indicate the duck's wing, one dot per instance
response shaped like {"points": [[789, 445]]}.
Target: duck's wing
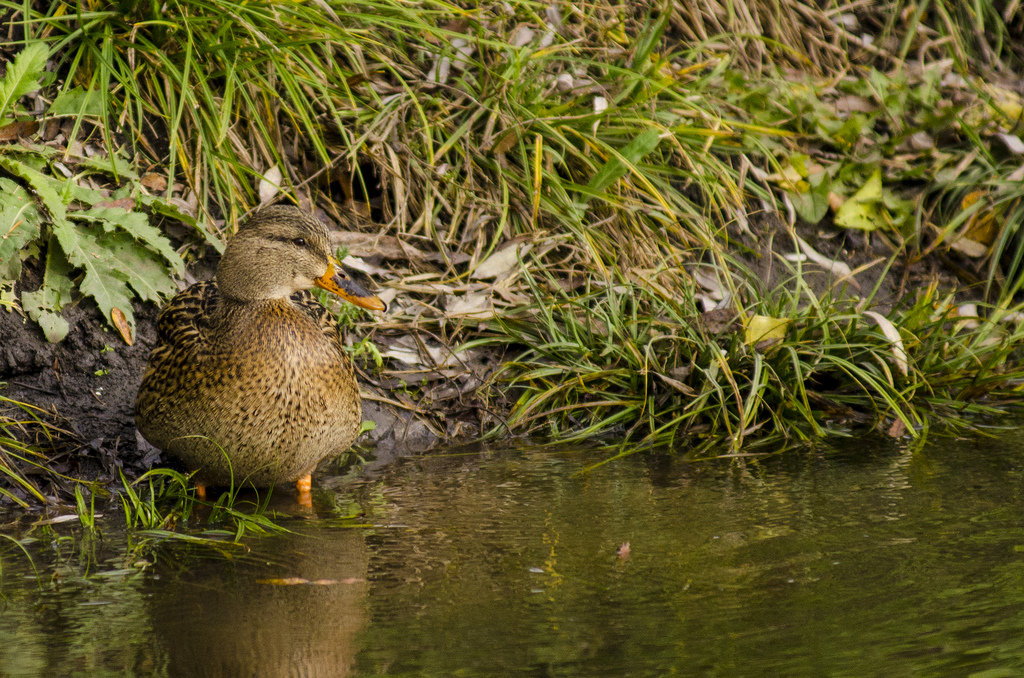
{"points": [[186, 318], [324, 319]]}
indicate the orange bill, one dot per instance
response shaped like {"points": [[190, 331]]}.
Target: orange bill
{"points": [[337, 281]]}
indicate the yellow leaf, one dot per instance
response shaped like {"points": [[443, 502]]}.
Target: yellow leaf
{"points": [[121, 323], [764, 328]]}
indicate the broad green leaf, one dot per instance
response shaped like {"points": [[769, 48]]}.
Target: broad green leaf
{"points": [[812, 204], [145, 271], [54, 326], [114, 165], [7, 298], [863, 210], [103, 281], [76, 102], [618, 165], [137, 224], [166, 208], [19, 224], [46, 187], [44, 305], [22, 76]]}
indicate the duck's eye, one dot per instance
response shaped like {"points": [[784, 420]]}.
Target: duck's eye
{"points": [[299, 242]]}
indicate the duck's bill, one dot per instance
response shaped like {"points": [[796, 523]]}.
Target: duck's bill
{"points": [[337, 281]]}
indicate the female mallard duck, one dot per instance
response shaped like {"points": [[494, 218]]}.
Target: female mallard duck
{"points": [[249, 381]]}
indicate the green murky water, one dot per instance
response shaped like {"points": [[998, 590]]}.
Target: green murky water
{"points": [[842, 562]]}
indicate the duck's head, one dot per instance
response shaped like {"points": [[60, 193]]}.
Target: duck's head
{"points": [[279, 251]]}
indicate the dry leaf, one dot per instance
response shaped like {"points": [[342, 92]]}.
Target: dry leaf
{"points": [[893, 335], [370, 244], [837, 268], [121, 323], [16, 130], [123, 203], [501, 263], [270, 184], [408, 356], [1012, 142], [476, 305], [154, 182]]}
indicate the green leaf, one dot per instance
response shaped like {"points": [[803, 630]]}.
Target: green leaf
{"points": [[22, 76], [44, 305], [145, 271], [113, 165], [137, 224], [46, 187], [104, 280], [619, 163], [77, 102], [20, 224], [166, 208], [812, 204], [863, 210]]}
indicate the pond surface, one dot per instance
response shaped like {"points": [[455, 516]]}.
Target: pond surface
{"points": [[852, 561]]}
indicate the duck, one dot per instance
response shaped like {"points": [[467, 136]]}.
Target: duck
{"points": [[249, 382]]}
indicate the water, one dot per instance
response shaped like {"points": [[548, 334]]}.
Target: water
{"points": [[844, 562]]}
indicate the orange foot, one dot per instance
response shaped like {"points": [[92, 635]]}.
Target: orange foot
{"points": [[304, 485]]}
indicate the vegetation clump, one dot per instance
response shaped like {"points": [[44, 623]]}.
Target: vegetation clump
{"points": [[673, 222]]}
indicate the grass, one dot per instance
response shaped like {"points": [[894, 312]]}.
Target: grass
{"points": [[652, 164], [622, 360], [26, 432]]}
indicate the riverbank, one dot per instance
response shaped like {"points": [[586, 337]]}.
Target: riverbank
{"points": [[672, 224]]}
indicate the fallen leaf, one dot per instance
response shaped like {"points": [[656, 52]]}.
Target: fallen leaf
{"points": [[893, 335], [16, 130], [476, 305], [678, 385], [1012, 143], [863, 210], [760, 328], [123, 203], [370, 244], [154, 182], [835, 267], [897, 429], [121, 323], [270, 184], [500, 263]]}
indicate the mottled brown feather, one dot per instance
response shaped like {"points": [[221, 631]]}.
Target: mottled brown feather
{"points": [[256, 390]]}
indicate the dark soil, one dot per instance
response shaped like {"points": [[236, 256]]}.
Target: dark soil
{"points": [[86, 382]]}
